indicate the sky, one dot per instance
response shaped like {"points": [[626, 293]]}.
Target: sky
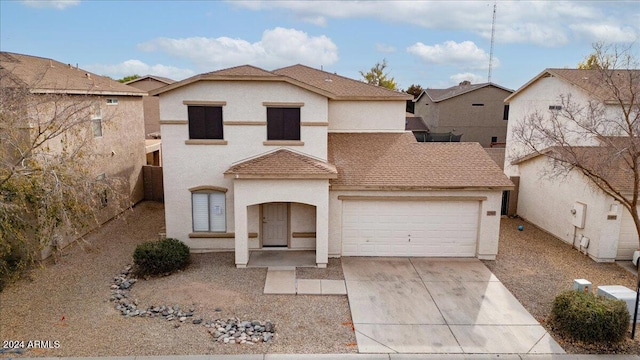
{"points": [[435, 44]]}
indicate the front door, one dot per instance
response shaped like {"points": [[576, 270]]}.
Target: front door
{"points": [[274, 224]]}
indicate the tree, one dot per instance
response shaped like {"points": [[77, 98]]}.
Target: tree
{"points": [[599, 138], [129, 78], [49, 192], [414, 90], [376, 76]]}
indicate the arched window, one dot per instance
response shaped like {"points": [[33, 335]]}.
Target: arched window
{"points": [[209, 210]]}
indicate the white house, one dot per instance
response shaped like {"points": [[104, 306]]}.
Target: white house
{"points": [[299, 158], [570, 207]]}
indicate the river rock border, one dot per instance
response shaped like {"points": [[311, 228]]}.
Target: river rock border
{"points": [[229, 331]]}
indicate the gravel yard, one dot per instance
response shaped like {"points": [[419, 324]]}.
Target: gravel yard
{"points": [[535, 266], [76, 288]]}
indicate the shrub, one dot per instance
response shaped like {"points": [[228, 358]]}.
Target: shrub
{"points": [[12, 262], [590, 318], [159, 257]]}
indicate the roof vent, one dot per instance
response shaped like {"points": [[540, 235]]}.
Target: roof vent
{"points": [[88, 75], [465, 83]]}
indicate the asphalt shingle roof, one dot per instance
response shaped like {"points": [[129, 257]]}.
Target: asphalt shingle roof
{"points": [[42, 75], [396, 161], [285, 164]]}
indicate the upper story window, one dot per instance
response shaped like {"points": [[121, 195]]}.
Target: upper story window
{"points": [[477, 104], [505, 114], [205, 122], [96, 120], [283, 123], [112, 101], [555, 107]]}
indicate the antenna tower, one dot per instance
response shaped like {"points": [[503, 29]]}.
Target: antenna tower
{"points": [[493, 32]]}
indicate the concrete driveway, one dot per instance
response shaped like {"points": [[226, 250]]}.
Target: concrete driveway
{"points": [[435, 305]]}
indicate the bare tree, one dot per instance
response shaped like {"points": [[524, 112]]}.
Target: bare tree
{"points": [[49, 191], [599, 138]]}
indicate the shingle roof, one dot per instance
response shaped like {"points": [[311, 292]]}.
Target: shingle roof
{"points": [[395, 161], [593, 82], [165, 80], [415, 123], [438, 95], [283, 164], [338, 85], [42, 75], [321, 82], [605, 161]]}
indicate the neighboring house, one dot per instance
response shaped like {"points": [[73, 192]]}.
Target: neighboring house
{"points": [[550, 204], [475, 111], [117, 119], [299, 158], [151, 114]]}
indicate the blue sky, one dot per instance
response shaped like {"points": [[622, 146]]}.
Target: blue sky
{"points": [[434, 44]]}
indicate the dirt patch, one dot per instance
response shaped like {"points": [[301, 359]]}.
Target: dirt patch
{"points": [[68, 302], [536, 266]]}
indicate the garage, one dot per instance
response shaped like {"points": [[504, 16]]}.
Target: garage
{"points": [[410, 228], [628, 239]]}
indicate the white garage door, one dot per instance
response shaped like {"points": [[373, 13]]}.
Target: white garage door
{"points": [[409, 228], [628, 240]]}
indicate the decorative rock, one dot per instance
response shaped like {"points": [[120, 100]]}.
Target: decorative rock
{"points": [[182, 319], [197, 321]]}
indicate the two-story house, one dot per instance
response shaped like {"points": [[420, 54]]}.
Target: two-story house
{"points": [[116, 136], [299, 158], [475, 111], [571, 207]]}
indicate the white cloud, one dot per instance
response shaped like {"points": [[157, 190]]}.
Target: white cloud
{"points": [[545, 23], [277, 47], [474, 78], [131, 67], [316, 20], [606, 32], [465, 55], [384, 48], [56, 4]]}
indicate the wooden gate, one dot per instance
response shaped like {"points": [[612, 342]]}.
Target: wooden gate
{"points": [[153, 185]]}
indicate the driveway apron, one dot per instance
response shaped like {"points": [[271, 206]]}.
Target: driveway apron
{"points": [[437, 305]]}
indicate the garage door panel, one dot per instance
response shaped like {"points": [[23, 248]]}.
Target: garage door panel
{"points": [[411, 228]]}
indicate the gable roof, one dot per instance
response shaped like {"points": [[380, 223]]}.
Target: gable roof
{"points": [[396, 161], [415, 123], [591, 82], [161, 79], [438, 95], [283, 164], [43, 75], [317, 81]]}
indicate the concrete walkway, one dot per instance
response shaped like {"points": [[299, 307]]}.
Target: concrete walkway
{"points": [[427, 305], [282, 280]]}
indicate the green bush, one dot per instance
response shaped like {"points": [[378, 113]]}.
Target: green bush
{"points": [[159, 257], [590, 318]]}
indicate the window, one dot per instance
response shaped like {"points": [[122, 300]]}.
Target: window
{"points": [[494, 139], [96, 120], [112, 101], [505, 114], [477, 104], [104, 196], [209, 213], [555, 107], [283, 123], [205, 122]]}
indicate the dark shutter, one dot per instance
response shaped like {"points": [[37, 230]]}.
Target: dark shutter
{"points": [[291, 124], [196, 122], [205, 122], [275, 124]]}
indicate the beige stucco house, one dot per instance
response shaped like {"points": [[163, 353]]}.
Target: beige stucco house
{"points": [[475, 111], [116, 137], [570, 207], [299, 158]]}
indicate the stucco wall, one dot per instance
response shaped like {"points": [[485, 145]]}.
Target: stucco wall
{"points": [[367, 116], [151, 105], [537, 98], [547, 203], [187, 166], [489, 225]]}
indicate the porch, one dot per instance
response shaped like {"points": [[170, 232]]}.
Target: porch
{"points": [[295, 258]]}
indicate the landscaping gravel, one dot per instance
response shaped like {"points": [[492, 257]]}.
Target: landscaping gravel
{"points": [[536, 266], [69, 302]]}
